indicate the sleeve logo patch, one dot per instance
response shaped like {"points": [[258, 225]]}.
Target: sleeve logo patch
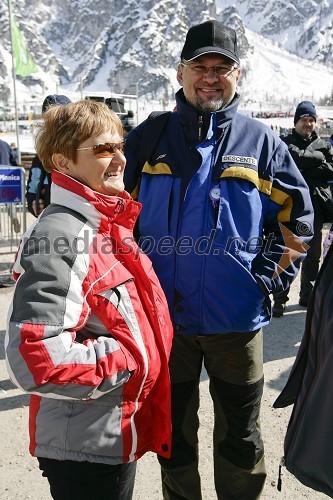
{"points": [[240, 159]]}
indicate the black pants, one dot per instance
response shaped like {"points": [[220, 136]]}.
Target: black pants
{"points": [[71, 480], [234, 364]]}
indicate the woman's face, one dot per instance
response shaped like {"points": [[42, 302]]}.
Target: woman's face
{"points": [[102, 174]]}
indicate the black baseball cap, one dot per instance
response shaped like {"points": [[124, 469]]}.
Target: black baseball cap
{"points": [[50, 100], [210, 37]]}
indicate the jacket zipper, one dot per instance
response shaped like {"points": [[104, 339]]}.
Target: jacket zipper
{"points": [[200, 123]]}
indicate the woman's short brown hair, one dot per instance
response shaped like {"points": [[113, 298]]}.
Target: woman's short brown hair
{"points": [[64, 128]]}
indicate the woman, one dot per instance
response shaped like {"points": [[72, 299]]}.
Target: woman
{"points": [[89, 333]]}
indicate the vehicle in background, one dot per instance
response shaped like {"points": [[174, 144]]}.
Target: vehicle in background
{"points": [[123, 104]]}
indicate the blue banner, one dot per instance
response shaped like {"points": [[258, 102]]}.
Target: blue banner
{"points": [[11, 185]]}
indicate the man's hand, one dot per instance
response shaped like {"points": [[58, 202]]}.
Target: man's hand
{"points": [[295, 152]]}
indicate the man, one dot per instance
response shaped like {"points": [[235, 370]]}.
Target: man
{"points": [[39, 181], [14, 152], [314, 158], [220, 195], [128, 123], [7, 155]]}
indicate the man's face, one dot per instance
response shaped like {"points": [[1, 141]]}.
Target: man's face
{"points": [[208, 91], [305, 126]]}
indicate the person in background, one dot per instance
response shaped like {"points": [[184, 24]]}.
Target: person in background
{"points": [[39, 180], [14, 151], [89, 333], [308, 440], [331, 139], [222, 202], [128, 123], [314, 158], [127, 128], [7, 155]]}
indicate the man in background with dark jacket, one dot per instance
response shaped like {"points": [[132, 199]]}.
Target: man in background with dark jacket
{"points": [[314, 158]]}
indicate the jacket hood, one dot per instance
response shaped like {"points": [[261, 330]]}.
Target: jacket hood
{"points": [[95, 206]]}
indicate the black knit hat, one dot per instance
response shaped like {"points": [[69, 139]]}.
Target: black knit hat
{"points": [[50, 100], [305, 108], [210, 37]]}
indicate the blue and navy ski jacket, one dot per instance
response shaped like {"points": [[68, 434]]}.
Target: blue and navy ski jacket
{"points": [[223, 204]]}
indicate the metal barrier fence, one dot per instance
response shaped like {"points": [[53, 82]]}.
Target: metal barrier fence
{"points": [[12, 225], [13, 218]]}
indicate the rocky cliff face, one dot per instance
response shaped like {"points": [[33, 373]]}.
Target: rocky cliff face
{"points": [[304, 27], [125, 46]]}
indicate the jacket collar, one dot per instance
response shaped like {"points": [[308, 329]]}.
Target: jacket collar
{"points": [[305, 140], [189, 116], [95, 207]]}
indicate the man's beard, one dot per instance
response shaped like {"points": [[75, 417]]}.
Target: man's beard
{"points": [[211, 106], [306, 134]]}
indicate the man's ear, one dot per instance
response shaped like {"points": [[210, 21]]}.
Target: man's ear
{"points": [[180, 74], [60, 162], [237, 75]]}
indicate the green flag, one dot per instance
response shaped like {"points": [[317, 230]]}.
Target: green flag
{"points": [[24, 65]]}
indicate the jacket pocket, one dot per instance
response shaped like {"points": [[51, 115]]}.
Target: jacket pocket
{"points": [[236, 301], [113, 277]]}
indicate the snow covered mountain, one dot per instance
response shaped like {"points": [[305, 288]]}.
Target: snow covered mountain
{"points": [[128, 46], [304, 27]]}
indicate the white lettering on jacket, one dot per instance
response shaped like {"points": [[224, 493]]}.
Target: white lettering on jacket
{"points": [[240, 159]]}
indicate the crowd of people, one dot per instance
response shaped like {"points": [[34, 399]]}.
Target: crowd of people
{"points": [[225, 212]]}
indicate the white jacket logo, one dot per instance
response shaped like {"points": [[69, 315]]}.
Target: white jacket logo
{"points": [[240, 159]]}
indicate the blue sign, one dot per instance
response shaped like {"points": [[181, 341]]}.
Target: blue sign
{"points": [[11, 181]]}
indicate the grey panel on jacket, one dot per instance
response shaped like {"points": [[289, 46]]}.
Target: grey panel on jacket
{"points": [[47, 261], [77, 430]]}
